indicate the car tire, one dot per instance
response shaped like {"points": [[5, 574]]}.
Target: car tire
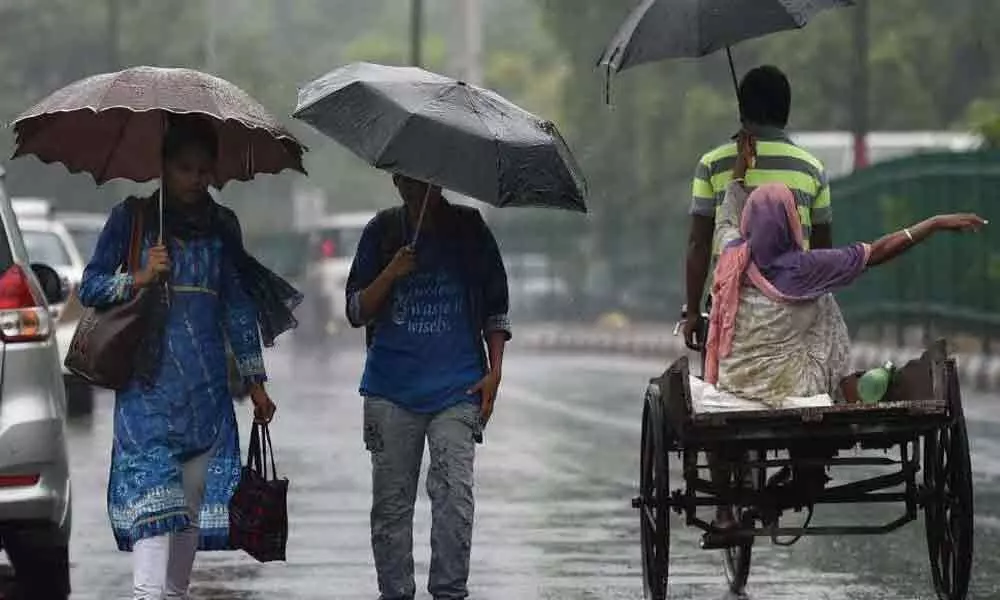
{"points": [[39, 555], [79, 396]]}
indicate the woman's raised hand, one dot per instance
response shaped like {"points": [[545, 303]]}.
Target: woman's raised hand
{"points": [[959, 222], [746, 154], [157, 264]]}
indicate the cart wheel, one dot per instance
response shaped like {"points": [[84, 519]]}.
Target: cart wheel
{"points": [[948, 511], [654, 490], [736, 559], [736, 562]]}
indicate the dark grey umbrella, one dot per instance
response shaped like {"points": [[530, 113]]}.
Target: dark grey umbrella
{"points": [[660, 29], [437, 129]]}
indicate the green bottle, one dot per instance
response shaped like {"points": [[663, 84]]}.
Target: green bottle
{"points": [[873, 385]]}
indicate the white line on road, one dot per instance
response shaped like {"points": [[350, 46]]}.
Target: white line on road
{"points": [[574, 411]]}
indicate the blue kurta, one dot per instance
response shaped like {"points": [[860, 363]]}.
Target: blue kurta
{"points": [[189, 409]]}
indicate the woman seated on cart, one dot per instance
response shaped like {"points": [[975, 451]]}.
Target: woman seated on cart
{"points": [[775, 330]]}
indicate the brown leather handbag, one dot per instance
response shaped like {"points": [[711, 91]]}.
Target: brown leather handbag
{"points": [[107, 339]]}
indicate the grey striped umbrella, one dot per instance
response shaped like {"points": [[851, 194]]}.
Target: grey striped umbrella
{"points": [[437, 129], [661, 29]]}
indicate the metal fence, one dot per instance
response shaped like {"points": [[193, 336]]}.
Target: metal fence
{"points": [[951, 282]]}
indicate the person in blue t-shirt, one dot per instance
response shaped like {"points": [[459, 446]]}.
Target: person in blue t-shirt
{"points": [[434, 303]]}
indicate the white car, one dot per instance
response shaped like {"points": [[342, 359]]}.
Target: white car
{"points": [[49, 241], [85, 228], [333, 242]]}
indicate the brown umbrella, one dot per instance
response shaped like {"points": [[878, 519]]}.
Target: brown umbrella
{"points": [[111, 125]]}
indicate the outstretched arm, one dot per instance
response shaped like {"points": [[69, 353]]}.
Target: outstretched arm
{"points": [[895, 244]]}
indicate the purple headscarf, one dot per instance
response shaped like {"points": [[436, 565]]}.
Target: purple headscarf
{"points": [[771, 229], [771, 256]]}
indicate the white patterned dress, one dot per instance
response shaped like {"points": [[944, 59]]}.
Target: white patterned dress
{"points": [[780, 349]]}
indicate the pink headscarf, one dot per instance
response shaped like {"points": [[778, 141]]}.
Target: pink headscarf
{"points": [[771, 256]]}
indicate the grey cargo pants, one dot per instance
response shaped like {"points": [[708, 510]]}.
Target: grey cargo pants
{"points": [[395, 438]]}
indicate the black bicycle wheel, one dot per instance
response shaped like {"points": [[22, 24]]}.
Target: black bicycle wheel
{"points": [[948, 511], [736, 559], [654, 521]]}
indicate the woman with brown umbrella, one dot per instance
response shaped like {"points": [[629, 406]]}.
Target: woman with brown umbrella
{"points": [[175, 457]]}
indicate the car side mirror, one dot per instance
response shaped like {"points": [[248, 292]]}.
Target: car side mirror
{"points": [[55, 288]]}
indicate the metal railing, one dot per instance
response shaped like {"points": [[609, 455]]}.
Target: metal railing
{"points": [[949, 283]]}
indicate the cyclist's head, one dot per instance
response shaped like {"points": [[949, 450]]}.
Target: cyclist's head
{"points": [[765, 97]]}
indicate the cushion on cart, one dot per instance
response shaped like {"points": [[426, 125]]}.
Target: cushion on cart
{"points": [[706, 398]]}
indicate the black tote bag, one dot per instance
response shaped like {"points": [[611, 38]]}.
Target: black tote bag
{"points": [[258, 510]]}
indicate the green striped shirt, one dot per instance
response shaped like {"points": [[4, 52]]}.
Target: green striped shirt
{"points": [[778, 161]]}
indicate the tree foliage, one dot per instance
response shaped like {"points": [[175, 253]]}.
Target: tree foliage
{"points": [[930, 64], [269, 48]]}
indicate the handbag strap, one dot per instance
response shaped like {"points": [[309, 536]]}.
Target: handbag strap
{"points": [[135, 239], [254, 451], [259, 449], [267, 448]]}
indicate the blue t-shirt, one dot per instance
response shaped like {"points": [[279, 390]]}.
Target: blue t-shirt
{"points": [[425, 355]]}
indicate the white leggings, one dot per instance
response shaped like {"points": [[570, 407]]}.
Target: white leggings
{"points": [[162, 565]]}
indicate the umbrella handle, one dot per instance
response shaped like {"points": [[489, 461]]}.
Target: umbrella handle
{"points": [[166, 283], [732, 71], [163, 183], [160, 210], [420, 219]]}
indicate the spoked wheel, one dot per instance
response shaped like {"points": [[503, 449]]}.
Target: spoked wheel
{"points": [[736, 562], [736, 559], [948, 513], [654, 490]]}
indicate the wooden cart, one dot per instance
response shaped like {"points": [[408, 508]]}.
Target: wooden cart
{"points": [[921, 417]]}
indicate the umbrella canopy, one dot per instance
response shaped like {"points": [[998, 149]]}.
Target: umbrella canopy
{"points": [[660, 29], [111, 125], [447, 132]]}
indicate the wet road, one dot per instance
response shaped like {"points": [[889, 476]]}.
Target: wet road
{"points": [[554, 482]]}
